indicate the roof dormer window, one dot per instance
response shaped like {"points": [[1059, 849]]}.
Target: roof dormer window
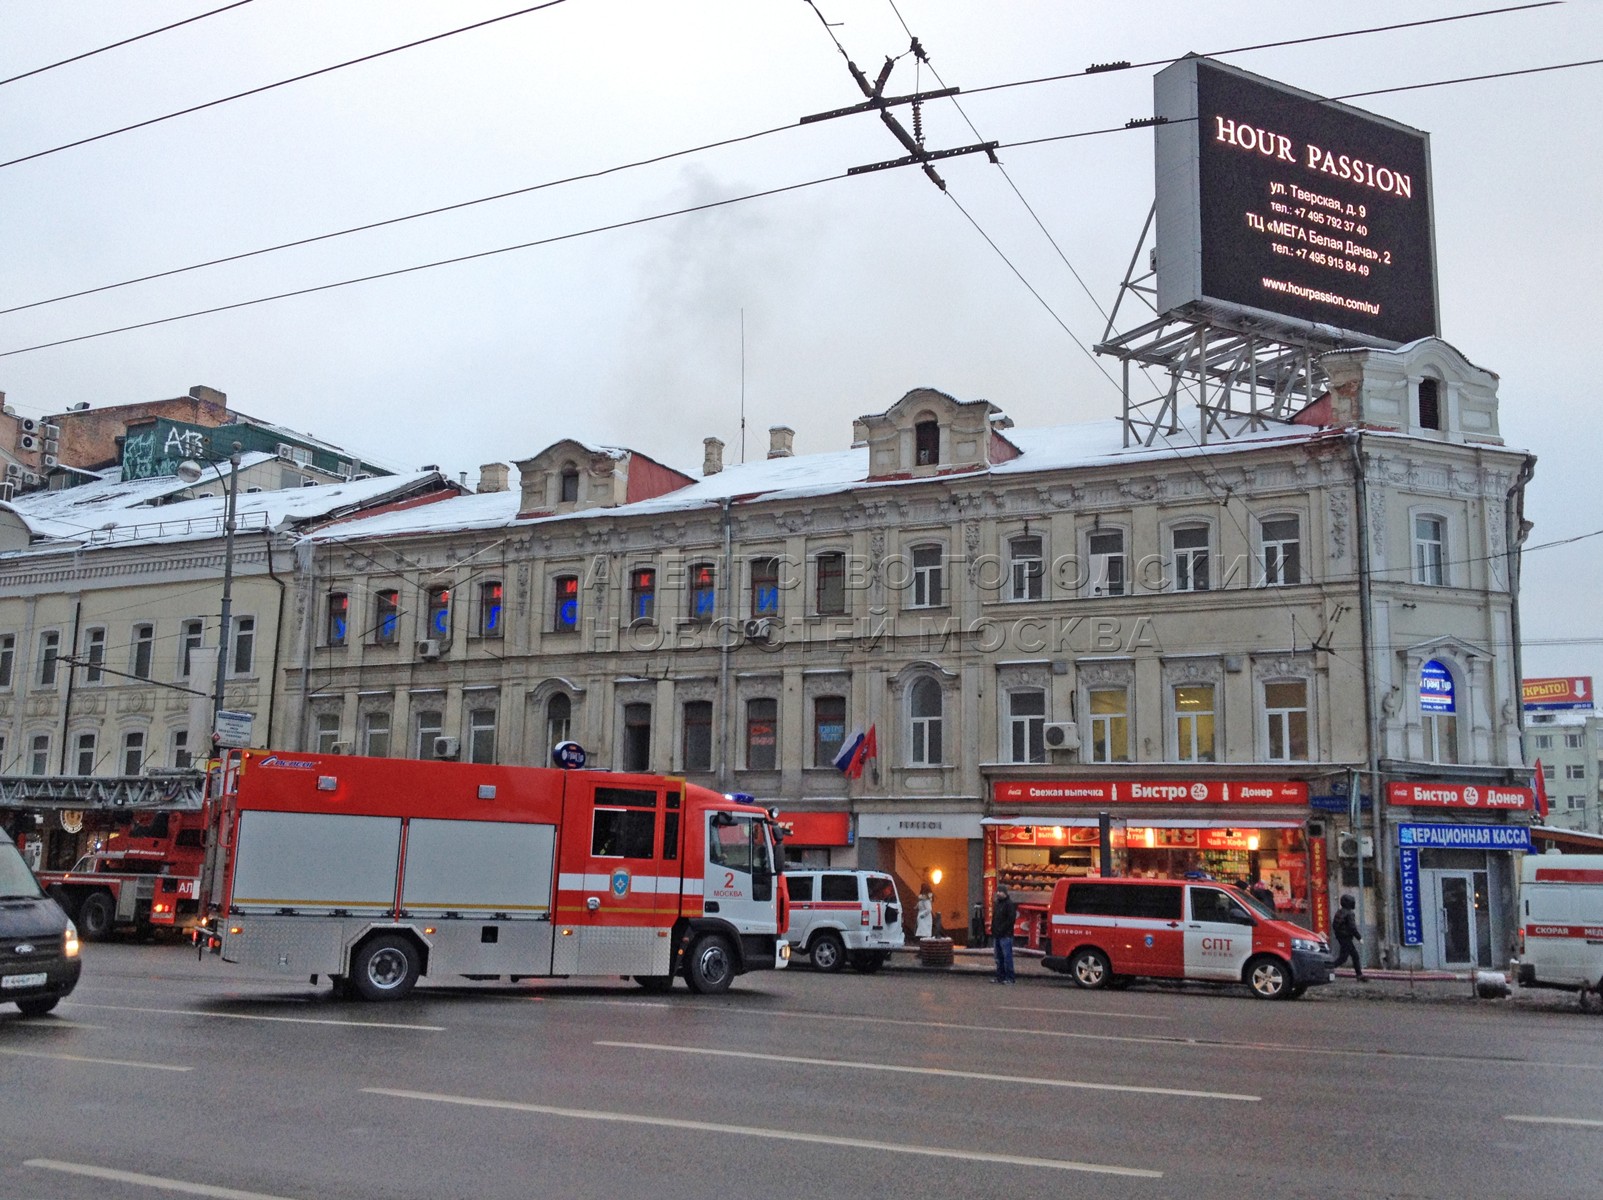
{"points": [[927, 442], [1430, 404], [569, 492]]}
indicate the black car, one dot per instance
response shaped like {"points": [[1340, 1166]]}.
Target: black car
{"points": [[39, 961]]}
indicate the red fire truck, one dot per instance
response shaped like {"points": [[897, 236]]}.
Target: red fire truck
{"points": [[376, 873], [145, 877]]}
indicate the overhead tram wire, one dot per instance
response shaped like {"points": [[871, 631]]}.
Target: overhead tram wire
{"points": [[267, 87], [623, 225], [669, 155], [127, 41]]}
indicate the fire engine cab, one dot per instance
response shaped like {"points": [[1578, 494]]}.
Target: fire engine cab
{"points": [[379, 872]]}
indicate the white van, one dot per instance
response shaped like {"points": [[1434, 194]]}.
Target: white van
{"points": [[1561, 922], [838, 917]]}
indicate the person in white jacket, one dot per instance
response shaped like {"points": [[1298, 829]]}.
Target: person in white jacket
{"points": [[925, 919]]}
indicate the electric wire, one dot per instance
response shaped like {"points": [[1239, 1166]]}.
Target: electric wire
{"points": [[127, 41], [268, 87]]}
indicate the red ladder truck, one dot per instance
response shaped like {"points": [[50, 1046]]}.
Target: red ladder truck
{"points": [[375, 873]]}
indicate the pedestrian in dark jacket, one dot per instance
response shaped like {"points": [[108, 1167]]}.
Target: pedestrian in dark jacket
{"points": [[1345, 927], [1004, 915]]}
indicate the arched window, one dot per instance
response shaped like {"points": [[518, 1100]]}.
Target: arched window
{"points": [[927, 442], [1438, 712], [1430, 404], [558, 719], [925, 710]]}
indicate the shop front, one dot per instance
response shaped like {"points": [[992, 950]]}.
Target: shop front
{"points": [[1251, 833], [935, 850], [1457, 877], [817, 839]]}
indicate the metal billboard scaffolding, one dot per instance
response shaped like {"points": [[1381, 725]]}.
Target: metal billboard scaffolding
{"points": [[1239, 373]]}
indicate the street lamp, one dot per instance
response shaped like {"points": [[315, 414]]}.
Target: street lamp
{"points": [[191, 471]]}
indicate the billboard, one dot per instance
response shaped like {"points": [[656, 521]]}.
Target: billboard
{"points": [[1550, 695], [1278, 206]]}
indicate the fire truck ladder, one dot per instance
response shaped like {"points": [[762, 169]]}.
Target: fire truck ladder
{"points": [[177, 790]]}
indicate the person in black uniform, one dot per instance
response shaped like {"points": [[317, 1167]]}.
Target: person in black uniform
{"points": [[1345, 927]]}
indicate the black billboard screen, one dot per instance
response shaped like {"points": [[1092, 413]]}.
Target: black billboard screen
{"points": [[1312, 211]]}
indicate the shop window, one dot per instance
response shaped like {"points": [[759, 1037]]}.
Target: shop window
{"points": [[558, 720], [1430, 551], [84, 754], [829, 729], [1193, 723], [39, 754], [94, 654], [133, 753], [191, 634], [565, 604], [643, 594], [928, 577], [635, 751], [764, 587], [437, 613], [1026, 725], [762, 743], [327, 732], [1190, 546], [49, 653], [1281, 543], [244, 645], [1026, 569], [337, 630], [376, 735], [144, 651], [927, 443], [568, 488], [491, 595], [481, 735], [1286, 715], [830, 583], [925, 710], [703, 593], [696, 736], [1105, 574], [386, 616], [427, 725], [1110, 724]]}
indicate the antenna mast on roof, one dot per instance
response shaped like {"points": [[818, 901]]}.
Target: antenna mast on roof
{"points": [[743, 387]]}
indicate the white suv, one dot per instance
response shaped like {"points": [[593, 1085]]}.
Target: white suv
{"points": [[838, 917]]}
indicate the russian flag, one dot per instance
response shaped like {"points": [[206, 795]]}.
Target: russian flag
{"points": [[855, 752]]}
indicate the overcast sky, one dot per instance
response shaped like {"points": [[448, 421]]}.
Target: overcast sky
{"points": [[850, 292]]}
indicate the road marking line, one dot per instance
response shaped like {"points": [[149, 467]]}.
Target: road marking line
{"points": [[106, 1062], [939, 1071], [188, 1012], [1086, 1012], [780, 1135], [1584, 1122], [150, 1181]]}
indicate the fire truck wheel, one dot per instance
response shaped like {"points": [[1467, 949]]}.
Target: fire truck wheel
{"points": [[385, 968], [37, 1008], [1090, 969], [1269, 979], [828, 952], [96, 916], [710, 965], [655, 983]]}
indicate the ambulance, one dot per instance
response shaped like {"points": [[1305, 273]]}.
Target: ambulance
{"points": [[375, 873], [1561, 923], [1107, 932]]}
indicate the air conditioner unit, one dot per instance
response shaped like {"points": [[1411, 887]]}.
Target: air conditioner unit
{"points": [[340, 748], [27, 442], [54, 431], [759, 629], [1062, 735], [29, 425], [286, 452], [49, 460], [7, 490], [52, 446], [13, 471], [428, 648], [446, 747], [1352, 845]]}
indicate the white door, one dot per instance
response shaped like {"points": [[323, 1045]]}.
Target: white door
{"points": [[1218, 934], [740, 877]]}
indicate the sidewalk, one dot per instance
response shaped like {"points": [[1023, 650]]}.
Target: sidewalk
{"points": [[1437, 987]]}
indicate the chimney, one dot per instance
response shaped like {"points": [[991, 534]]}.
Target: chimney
{"points": [[492, 478], [201, 392], [713, 461], [779, 440]]}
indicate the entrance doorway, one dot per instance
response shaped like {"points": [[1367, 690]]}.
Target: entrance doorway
{"points": [[1458, 918]]}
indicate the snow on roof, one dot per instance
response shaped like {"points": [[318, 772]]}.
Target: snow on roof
{"points": [[800, 477], [113, 512]]}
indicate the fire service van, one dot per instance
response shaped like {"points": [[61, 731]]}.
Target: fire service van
{"points": [[379, 872], [1106, 932], [840, 917], [1561, 922]]}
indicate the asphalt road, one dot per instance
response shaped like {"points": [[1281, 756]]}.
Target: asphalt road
{"points": [[167, 1076]]}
